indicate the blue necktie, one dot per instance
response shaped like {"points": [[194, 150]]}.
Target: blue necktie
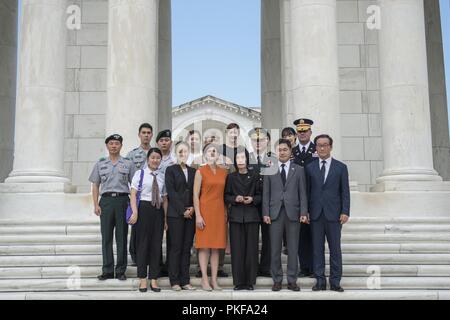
{"points": [[322, 170], [283, 174]]}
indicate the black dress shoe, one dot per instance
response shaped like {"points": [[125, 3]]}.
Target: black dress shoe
{"points": [[250, 287], [293, 287], [319, 287], [142, 289], [276, 286], [265, 274], [239, 287], [222, 274], [121, 277], [337, 288], [155, 289], [105, 276]]}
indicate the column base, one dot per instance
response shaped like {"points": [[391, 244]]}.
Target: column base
{"points": [[41, 187], [383, 186], [47, 182]]}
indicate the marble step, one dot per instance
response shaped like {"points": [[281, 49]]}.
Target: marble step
{"points": [[262, 283], [346, 238], [348, 258], [94, 229], [69, 249], [228, 294], [355, 220], [348, 270]]}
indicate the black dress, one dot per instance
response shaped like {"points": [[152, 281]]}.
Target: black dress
{"points": [[244, 222]]}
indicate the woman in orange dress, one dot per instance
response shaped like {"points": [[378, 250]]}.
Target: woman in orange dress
{"points": [[210, 215]]}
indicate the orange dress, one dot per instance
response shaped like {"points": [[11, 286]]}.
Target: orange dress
{"points": [[212, 209]]}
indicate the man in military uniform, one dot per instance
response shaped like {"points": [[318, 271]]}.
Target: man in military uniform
{"points": [[139, 157], [110, 178], [304, 153], [261, 160]]}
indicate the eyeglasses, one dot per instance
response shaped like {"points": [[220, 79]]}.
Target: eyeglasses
{"points": [[323, 146]]}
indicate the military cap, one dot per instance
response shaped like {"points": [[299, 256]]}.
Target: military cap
{"points": [[258, 133], [303, 124], [164, 134], [116, 137]]}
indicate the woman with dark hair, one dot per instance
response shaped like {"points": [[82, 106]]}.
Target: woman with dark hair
{"points": [[243, 195], [180, 218], [149, 219], [210, 215]]}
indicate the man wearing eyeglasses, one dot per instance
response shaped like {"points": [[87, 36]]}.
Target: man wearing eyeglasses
{"points": [[329, 209]]}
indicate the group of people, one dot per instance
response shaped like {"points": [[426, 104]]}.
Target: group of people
{"points": [[221, 197]]}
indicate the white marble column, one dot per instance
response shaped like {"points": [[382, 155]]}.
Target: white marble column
{"points": [[8, 71], [39, 119], [271, 95], [404, 97], [165, 66], [132, 68], [314, 77]]}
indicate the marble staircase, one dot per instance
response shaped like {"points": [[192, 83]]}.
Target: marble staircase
{"points": [[383, 258]]}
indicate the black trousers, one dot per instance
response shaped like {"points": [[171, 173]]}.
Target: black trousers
{"points": [[149, 235], [112, 221], [264, 262], [181, 239], [132, 248], [305, 252], [244, 252], [320, 229]]}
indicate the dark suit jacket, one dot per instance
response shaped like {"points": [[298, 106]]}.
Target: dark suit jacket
{"points": [[243, 185], [179, 192], [293, 195], [331, 198]]}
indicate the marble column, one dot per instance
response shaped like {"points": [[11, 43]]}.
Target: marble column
{"points": [[132, 68], [165, 66], [8, 71], [405, 101], [271, 98], [39, 119], [314, 73], [437, 89]]}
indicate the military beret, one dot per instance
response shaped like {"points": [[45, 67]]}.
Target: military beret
{"points": [[117, 137], [303, 124], [258, 133], [164, 134]]}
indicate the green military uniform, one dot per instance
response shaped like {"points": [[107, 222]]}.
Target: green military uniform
{"points": [[113, 180], [139, 157]]}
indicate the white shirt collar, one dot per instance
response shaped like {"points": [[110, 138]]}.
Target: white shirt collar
{"points": [[327, 160], [306, 145], [286, 167]]}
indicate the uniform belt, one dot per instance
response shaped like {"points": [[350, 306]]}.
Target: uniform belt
{"points": [[114, 194]]}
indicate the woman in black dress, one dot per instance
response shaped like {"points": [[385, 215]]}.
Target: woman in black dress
{"points": [[180, 218], [242, 195]]}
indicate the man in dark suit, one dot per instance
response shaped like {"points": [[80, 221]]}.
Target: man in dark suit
{"points": [[329, 209], [304, 153], [284, 201], [261, 161]]}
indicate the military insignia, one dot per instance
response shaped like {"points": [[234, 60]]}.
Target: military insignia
{"points": [[102, 159], [315, 155], [103, 168]]}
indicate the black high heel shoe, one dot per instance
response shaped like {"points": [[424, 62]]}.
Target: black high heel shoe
{"points": [[154, 289], [142, 289]]}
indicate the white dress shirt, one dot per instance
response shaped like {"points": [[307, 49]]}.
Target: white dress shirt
{"points": [[306, 146], [286, 167], [327, 166], [147, 183]]}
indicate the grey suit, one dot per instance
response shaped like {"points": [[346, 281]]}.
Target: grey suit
{"points": [[284, 205]]}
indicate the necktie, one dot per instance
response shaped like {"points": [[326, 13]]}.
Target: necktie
{"points": [[156, 200], [303, 150], [322, 170], [283, 174], [259, 160]]}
